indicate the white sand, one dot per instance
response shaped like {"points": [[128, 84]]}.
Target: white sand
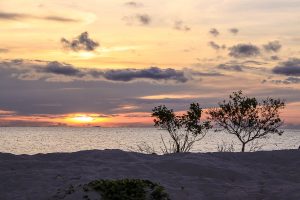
{"points": [[192, 176]]}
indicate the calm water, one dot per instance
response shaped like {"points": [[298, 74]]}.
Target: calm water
{"points": [[35, 140]]}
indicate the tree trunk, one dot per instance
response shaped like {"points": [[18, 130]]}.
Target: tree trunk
{"points": [[243, 147]]}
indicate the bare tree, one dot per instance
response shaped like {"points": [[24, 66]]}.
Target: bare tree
{"points": [[184, 130], [246, 118]]}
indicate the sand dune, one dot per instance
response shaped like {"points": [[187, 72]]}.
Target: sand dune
{"points": [[191, 176]]}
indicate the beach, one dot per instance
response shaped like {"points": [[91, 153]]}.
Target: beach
{"points": [[267, 175]]}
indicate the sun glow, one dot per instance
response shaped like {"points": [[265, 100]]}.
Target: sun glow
{"points": [[83, 119], [86, 119]]}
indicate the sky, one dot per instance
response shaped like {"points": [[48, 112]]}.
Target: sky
{"points": [[108, 63]]}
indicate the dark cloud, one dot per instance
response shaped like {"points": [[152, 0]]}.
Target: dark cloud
{"points": [[288, 68], [19, 16], [214, 32], [237, 68], [179, 25], [234, 31], [244, 51], [215, 46], [43, 70], [273, 46], [152, 73], [3, 50], [60, 69], [133, 4], [80, 43], [274, 58], [144, 19]]}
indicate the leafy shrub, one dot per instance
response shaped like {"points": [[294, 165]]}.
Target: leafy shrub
{"points": [[184, 130], [130, 189], [124, 189], [247, 118]]}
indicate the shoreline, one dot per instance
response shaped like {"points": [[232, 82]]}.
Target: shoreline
{"points": [[217, 175]]}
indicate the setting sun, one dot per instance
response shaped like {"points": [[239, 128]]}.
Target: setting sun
{"points": [[83, 119]]}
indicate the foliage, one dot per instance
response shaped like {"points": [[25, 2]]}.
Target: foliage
{"points": [[130, 189], [184, 130], [246, 118]]}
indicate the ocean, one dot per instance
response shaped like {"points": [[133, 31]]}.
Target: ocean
{"points": [[34, 140]]}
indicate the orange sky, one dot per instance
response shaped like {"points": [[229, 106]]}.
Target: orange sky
{"points": [[108, 63]]}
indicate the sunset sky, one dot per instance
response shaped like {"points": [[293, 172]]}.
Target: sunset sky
{"points": [[108, 63]]}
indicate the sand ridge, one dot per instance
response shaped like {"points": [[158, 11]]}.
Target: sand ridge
{"points": [[189, 176]]}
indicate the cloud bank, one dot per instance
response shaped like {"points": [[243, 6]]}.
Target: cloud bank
{"points": [[56, 71]]}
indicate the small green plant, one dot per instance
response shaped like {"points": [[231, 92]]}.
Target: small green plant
{"points": [[130, 189], [123, 189]]}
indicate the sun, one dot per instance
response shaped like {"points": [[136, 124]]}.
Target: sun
{"points": [[83, 119]]}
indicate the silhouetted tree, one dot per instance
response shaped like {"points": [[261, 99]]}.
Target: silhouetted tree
{"points": [[184, 130], [246, 118]]}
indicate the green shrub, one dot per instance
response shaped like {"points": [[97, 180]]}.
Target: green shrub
{"points": [[130, 189], [124, 189]]}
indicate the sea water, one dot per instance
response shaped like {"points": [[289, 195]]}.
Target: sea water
{"points": [[34, 140]]}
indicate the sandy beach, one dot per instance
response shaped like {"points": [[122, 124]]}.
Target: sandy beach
{"points": [[259, 175]]}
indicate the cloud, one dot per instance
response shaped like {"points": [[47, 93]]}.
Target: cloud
{"points": [[244, 51], [274, 58], [13, 16], [3, 50], [178, 25], [214, 32], [21, 16], [202, 74], [215, 46], [249, 65], [59, 19], [288, 68], [234, 31], [152, 73], [60, 69], [287, 81], [273, 46], [53, 71], [144, 19], [99, 95], [292, 80], [237, 68], [133, 4], [80, 43], [6, 113]]}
